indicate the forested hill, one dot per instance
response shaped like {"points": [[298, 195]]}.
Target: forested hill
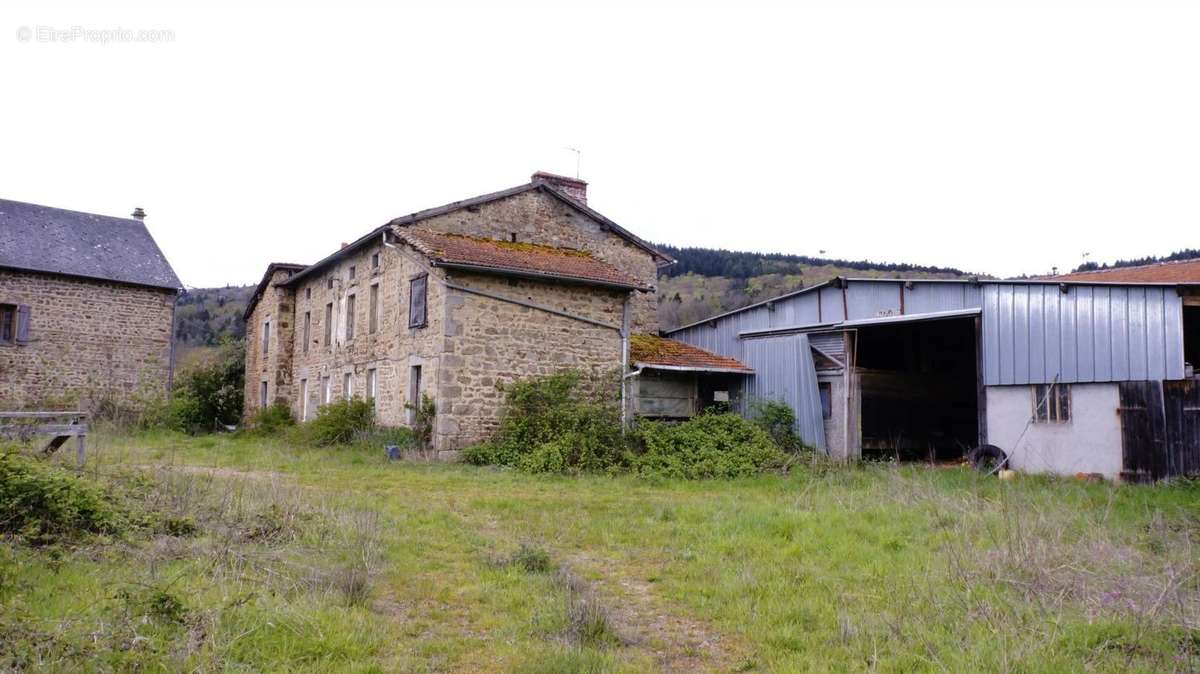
{"points": [[742, 264], [205, 316], [1185, 254], [707, 281]]}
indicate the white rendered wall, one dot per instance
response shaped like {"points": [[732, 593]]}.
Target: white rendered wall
{"points": [[1089, 443]]}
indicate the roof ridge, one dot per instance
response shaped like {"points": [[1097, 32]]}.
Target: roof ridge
{"points": [[72, 210]]}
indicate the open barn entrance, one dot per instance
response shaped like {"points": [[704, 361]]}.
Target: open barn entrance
{"points": [[917, 387]]}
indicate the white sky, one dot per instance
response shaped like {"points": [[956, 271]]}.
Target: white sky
{"points": [[1002, 141]]}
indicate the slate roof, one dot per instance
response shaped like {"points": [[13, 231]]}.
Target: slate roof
{"points": [[456, 251], [1182, 271], [659, 352], [58, 241]]}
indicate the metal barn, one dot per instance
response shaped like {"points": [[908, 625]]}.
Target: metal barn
{"points": [[1064, 377]]}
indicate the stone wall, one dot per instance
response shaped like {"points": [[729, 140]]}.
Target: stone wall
{"points": [[88, 340], [536, 217], [274, 365], [392, 350], [493, 342]]}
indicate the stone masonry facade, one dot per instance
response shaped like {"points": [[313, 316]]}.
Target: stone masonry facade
{"points": [[89, 341], [470, 343]]}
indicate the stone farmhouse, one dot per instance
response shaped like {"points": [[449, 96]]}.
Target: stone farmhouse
{"points": [[452, 301], [86, 308]]}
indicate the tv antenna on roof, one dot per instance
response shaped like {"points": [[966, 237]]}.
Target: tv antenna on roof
{"points": [[578, 154]]}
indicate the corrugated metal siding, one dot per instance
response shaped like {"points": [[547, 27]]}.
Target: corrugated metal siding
{"points": [[784, 371], [1088, 334], [832, 343]]}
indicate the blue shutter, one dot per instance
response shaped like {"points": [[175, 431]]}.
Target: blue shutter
{"points": [[23, 315]]}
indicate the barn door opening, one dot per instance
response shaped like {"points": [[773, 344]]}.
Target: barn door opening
{"points": [[917, 386]]}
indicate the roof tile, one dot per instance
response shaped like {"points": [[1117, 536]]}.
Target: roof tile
{"points": [[649, 350], [515, 258], [1183, 271]]}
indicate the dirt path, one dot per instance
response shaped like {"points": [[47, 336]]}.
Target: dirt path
{"points": [[256, 475], [676, 642]]}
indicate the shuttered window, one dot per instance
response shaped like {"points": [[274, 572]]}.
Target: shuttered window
{"points": [[328, 323], [349, 318], [416, 301], [266, 337], [307, 329], [373, 322]]}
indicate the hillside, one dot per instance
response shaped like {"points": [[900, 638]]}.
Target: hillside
{"points": [[706, 281], [1185, 254], [205, 316]]}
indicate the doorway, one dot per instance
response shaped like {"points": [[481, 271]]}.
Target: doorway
{"points": [[918, 390]]}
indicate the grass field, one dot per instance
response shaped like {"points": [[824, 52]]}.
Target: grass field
{"points": [[327, 560]]}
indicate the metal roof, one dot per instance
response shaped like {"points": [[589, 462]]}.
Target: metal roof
{"points": [[867, 322], [841, 280], [59, 241]]}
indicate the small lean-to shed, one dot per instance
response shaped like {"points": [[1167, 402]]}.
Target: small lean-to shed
{"points": [[673, 380], [1065, 377]]}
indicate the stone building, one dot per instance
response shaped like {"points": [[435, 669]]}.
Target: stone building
{"points": [[86, 308], [451, 302]]}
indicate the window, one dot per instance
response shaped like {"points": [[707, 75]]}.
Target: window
{"points": [[8, 324], [826, 390], [371, 384], [329, 283], [307, 329], [262, 394], [303, 400], [375, 261], [1051, 403], [414, 392], [348, 385], [266, 337], [328, 323], [416, 302], [353, 272], [512, 236], [373, 310], [349, 317], [324, 390], [308, 293]]}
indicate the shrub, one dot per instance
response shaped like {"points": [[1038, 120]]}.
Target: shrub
{"points": [[339, 422], [707, 446], [382, 436], [272, 419], [563, 422], [42, 503], [207, 395], [778, 420], [423, 416]]}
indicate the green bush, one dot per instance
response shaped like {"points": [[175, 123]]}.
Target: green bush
{"points": [[272, 419], [339, 422], [42, 503], [563, 422], [423, 416], [206, 396], [707, 446], [778, 420]]}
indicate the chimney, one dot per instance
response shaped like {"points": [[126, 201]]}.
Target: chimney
{"points": [[139, 213], [572, 187]]}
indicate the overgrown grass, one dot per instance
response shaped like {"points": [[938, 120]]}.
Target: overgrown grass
{"points": [[335, 559]]}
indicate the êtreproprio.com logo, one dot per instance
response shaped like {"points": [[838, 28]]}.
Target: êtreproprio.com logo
{"points": [[84, 34]]}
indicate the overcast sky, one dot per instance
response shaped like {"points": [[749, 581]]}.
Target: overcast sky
{"points": [[1001, 141]]}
